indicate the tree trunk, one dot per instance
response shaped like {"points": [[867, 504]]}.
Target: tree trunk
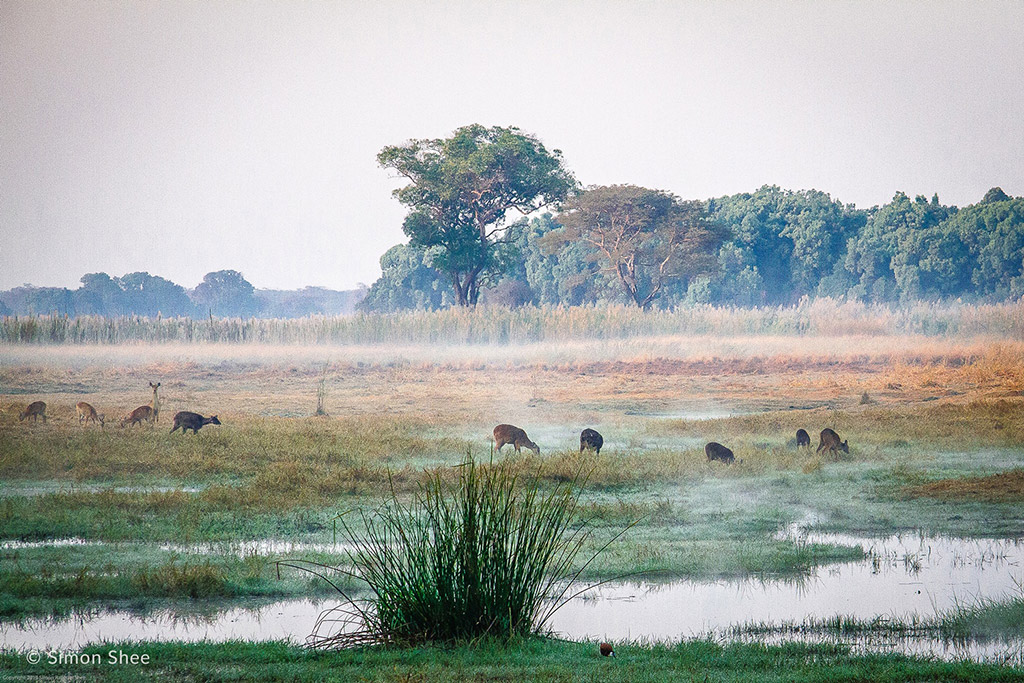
{"points": [[628, 282], [460, 292], [467, 288]]}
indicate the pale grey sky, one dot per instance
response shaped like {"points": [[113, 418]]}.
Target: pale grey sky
{"points": [[184, 137]]}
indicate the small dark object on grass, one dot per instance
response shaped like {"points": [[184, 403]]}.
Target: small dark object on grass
{"points": [[607, 650], [591, 438], [716, 451], [193, 421], [802, 438]]}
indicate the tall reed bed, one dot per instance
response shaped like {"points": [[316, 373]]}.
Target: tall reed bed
{"points": [[528, 324], [489, 554]]}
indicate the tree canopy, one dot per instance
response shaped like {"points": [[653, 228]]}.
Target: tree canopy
{"points": [[460, 192], [647, 238], [226, 293], [782, 245]]}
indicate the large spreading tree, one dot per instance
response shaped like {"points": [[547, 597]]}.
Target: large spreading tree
{"points": [[647, 238], [461, 190]]}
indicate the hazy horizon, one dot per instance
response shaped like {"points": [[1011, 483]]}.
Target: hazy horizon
{"points": [[187, 137]]}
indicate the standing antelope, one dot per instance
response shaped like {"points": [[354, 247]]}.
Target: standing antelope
{"points": [[155, 404], [504, 434], [802, 438], [87, 413], [36, 410]]}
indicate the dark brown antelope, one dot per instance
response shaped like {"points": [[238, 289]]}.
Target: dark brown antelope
{"points": [[137, 416], [802, 438], [716, 451], [36, 410], [591, 438], [193, 421], [504, 434], [86, 413], [606, 649], [155, 403], [830, 443]]}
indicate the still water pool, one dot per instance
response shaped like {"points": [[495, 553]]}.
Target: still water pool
{"points": [[902, 576]]}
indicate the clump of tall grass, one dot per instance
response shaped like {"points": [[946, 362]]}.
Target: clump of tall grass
{"points": [[489, 554], [985, 619]]}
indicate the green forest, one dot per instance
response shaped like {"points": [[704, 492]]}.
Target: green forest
{"points": [[777, 246]]}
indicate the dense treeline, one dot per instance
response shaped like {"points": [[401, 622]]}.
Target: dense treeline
{"points": [[778, 246], [224, 293]]}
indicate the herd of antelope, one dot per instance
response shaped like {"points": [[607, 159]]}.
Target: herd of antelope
{"points": [[185, 420], [592, 439], [828, 442], [504, 434]]}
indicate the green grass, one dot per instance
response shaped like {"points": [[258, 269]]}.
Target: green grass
{"points": [[533, 659], [55, 581], [985, 619], [270, 451]]}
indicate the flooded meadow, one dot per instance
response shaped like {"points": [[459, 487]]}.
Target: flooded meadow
{"points": [[135, 533]]}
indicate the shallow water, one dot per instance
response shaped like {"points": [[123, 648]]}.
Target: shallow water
{"points": [[283, 620], [268, 546], [36, 489], [902, 576]]}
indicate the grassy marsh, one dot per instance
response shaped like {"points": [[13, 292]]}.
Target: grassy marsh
{"points": [[940, 408]]}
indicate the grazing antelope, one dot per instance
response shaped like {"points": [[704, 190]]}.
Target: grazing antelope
{"points": [[716, 451], [36, 410], [591, 438], [138, 415], [830, 442], [193, 421], [155, 403], [802, 438], [606, 649], [86, 413], [504, 434]]}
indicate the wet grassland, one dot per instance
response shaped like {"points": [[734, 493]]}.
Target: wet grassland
{"points": [[138, 518]]}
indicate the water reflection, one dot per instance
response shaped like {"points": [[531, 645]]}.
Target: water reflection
{"points": [[282, 620], [902, 576]]}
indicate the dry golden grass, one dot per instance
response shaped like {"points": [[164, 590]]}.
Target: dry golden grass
{"points": [[1005, 487], [951, 424], [390, 411]]}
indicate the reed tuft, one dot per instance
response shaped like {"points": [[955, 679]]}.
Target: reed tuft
{"points": [[487, 553]]}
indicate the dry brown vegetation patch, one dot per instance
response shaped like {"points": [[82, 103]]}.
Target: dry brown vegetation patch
{"points": [[1004, 487]]}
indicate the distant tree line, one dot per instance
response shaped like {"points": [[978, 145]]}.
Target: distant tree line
{"points": [[222, 294], [769, 247]]}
